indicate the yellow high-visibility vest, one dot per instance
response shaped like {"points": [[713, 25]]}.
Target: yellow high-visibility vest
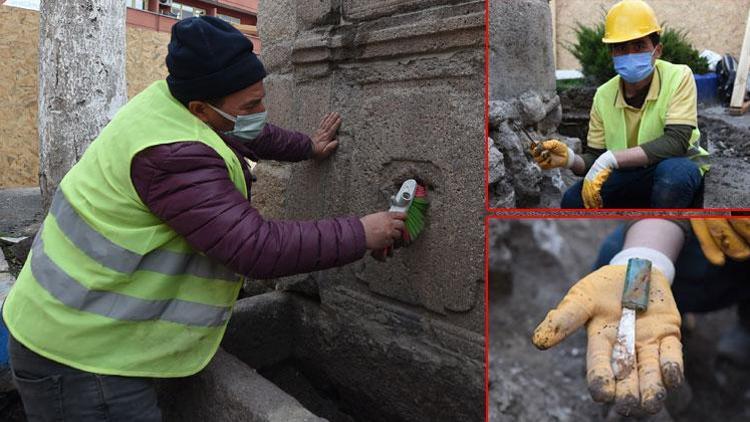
{"points": [[653, 118], [108, 287]]}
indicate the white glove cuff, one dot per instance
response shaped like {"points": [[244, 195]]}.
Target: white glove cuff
{"points": [[658, 260], [605, 161], [571, 158], [608, 160]]}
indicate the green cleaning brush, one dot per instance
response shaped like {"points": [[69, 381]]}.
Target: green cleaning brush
{"points": [[411, 199]]}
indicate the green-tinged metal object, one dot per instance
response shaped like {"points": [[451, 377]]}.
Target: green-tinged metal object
{"points": [[637, 284], [536, 146]]}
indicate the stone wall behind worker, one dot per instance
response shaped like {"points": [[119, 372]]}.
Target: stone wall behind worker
{"points": [[19, 53], [717, 25], [408, 83], [407, 77]]}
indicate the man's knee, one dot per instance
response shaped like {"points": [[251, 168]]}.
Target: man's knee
{"points": [[678, 172], [676, 183]]}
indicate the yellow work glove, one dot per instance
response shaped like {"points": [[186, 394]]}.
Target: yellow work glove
{"points": [[722, 237], [552, 154], [595, 302], [595, 178]]}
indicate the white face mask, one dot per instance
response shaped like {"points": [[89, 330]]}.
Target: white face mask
{"points": [[247, 126]]}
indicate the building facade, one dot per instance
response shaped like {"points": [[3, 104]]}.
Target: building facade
{"points": [[160, 15]]}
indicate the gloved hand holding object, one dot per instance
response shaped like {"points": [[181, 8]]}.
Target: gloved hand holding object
{"points": [[595, 178], [722, 237], [596, 302], [552, 154]]}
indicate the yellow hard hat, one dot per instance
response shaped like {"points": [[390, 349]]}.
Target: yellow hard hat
{"points": [[629, 20]]}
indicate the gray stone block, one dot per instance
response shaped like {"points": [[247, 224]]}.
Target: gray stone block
{"points": [[268, 191], [392, 363], [228, 390], [401, 340], [261, 330], [276, 21], [20, 211], [520, 48], [408, 88]]}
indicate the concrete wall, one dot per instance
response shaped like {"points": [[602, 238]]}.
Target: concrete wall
{"points": [[717, 25], [407, 77], [19, 40]]}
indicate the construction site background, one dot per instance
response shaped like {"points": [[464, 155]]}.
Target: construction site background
{"points": [[711, 25], [19, 52]]}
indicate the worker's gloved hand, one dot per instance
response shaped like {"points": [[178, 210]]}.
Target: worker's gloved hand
{"points": [[324, 140], [595, 301], [595, 178], [722, 237], [382, 229], [552, 154]]}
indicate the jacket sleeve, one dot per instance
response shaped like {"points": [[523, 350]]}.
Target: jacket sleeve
{"points": [[187, 185], [275, 143]]}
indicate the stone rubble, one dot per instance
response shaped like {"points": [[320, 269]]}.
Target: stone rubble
{"points": [[515, 179]]}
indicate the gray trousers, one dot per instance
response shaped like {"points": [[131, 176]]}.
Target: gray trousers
{"points": [[54, 392]]}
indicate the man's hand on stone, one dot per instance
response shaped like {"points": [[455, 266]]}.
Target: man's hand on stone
{"points": [[382, 230], [324, 140], [595, 302]]}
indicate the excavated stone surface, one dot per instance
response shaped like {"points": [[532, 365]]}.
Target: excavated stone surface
{"points": [[387, 350], [407, 78], [728, 141]]}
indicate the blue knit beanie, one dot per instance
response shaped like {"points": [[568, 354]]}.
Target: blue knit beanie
{"points": [[209, 58]]}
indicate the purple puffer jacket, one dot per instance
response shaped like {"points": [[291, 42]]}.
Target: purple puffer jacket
{"points": [[187, 185]]}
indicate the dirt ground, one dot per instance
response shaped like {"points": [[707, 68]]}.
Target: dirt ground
{"points": [[531, 385]]}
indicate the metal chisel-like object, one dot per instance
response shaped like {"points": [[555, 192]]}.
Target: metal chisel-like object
{"points": [[634, 299], [536, 146]]}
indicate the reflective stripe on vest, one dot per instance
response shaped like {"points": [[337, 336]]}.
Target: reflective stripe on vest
{"points": [[115, 305], [119, 259]]}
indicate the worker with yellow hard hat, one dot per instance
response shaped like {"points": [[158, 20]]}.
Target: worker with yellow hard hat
{"points": [[642, 149]]}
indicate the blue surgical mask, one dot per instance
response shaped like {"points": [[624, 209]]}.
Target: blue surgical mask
{"points": [[634, 67], [247, 126]]}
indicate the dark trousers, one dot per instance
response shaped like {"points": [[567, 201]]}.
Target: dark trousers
{"points": [[698, 286], [54, 392], [671, 183]]}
